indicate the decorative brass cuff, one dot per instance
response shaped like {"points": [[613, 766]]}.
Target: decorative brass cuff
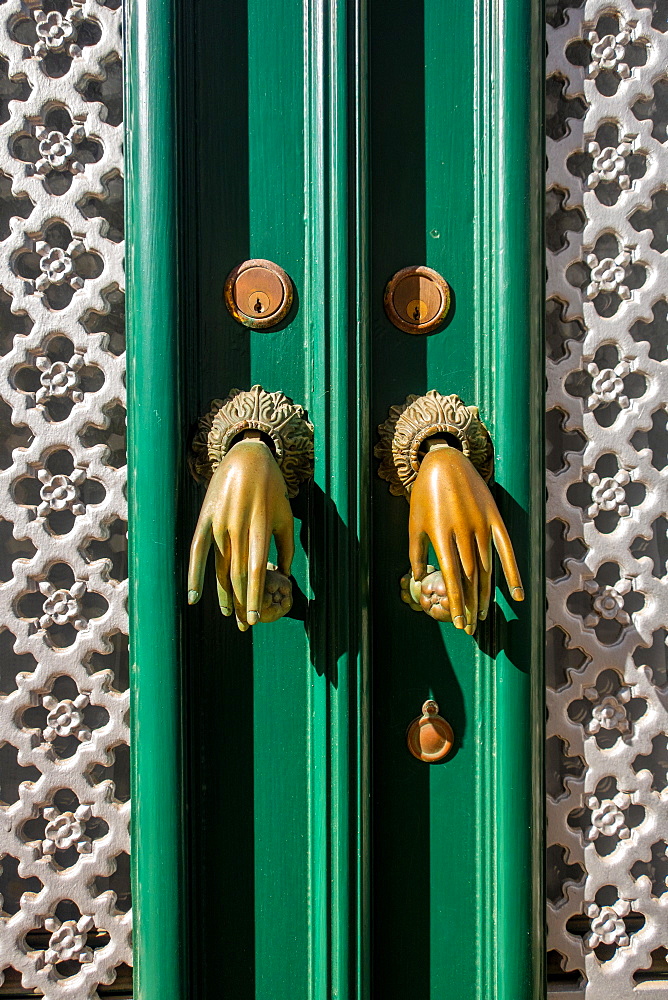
{"points": [[273, 414], [420, 417]]}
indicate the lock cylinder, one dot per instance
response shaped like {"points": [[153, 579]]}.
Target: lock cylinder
{"points": [[258, 293]]}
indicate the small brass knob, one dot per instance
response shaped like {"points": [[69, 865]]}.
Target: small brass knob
{"points": [[417, 299], [430, 737], [258, 293]]}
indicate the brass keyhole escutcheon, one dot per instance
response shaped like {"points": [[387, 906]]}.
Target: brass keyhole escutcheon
{"points": [[417, 299], [258, 293], [430, 737]]}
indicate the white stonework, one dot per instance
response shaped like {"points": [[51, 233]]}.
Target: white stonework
{"points": [[63, 605], [608, 592]]}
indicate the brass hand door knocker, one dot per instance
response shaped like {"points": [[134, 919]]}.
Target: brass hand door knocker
{"points": [[253, 449], [437, 453]]}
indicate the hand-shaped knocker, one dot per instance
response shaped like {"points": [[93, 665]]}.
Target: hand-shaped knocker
{"points": [[436, 451], [254, 448]]}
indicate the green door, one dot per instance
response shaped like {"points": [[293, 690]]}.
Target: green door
{"points": [[286, 843]]}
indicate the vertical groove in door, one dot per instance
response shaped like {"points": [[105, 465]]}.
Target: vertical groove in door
{"points": [[485, 700], [316, 328], [154, 450], [360, 321], [335, 286]]}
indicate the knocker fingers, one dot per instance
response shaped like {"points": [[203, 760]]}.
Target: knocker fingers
{"points": [[258, 550], [199, 550], [467, 554], [239, 577], [224, 586], [284, 533], [448, 560], [483, 540], [485, 589], [468, 569], [471, 599], [507, 556], [418, 549], [485, 575]]}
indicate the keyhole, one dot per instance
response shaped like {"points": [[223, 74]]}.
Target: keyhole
{"points": [[258, 307], [416, 311]]}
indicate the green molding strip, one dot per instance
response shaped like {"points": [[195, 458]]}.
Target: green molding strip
{"points": [[511, 288], [515, 309], [154, 448], [360, 321], [518, 359]]}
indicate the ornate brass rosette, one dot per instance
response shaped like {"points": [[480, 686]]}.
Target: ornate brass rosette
{"points": [[283, 422], [420, 417]]}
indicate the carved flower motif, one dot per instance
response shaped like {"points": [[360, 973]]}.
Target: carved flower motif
{"points": [[56, 32], [609, 164], [607, 385], [60, 378], [608, 275], [608, 602], [57, 265], [65, 718], [608, 494], [65, 830], [60, 492], [607, 925], [608, 52], [68, 940], [57, 150], [62, 606], [607, 817], [608, 712]]}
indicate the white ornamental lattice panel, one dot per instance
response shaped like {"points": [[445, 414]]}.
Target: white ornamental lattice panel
{"points": [[607, 370], [64, 803]]}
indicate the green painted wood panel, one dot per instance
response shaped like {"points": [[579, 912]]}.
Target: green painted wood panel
{"points": [[315, 858], [155, 458], [455, 157], [273, 161]]}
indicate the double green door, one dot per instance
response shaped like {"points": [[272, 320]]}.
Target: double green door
{"points": [[286, 843]]}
